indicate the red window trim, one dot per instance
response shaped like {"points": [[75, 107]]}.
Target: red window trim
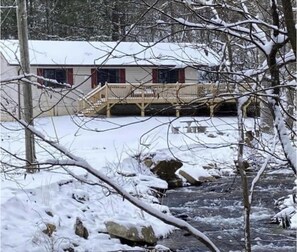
{"points": [[155, 75], [122, 75], [40, 73], [94, 79], [181, 75], [69, 75]]}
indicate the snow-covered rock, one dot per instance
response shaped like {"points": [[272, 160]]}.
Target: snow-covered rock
{"points": [[166, 170], [138, 232], [195, 175]]}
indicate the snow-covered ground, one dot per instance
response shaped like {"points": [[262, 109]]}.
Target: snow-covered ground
{"points": [[111, 146]]}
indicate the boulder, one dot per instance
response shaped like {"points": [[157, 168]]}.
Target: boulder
{"points": [[211, 135], [166, 169], [50, 229], [174, 183], [137, 233], [245, 165], [195, 176], [80, 229], [148, 162]]}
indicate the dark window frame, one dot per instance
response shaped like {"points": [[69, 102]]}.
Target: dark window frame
{"points": [[100, 76], [168, 75], [61, 75], [108, 75]]}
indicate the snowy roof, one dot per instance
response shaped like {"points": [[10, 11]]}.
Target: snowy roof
{"points": [[110, 53]]}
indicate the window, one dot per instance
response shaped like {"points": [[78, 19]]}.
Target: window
{"points": [[168, 75], [107, 75], [61, 75]]}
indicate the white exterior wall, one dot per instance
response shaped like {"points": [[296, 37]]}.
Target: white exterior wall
{"points": [[82, 79], [191, 75], [9, 90], [139, 75], [58, 102]]}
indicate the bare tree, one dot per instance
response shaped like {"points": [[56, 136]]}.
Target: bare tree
{"points": [[255, 49], [238, 27]]}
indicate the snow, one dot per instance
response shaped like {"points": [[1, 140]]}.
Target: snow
{"points": [[109, 53], [290, 150], [194, 171], [55, 196]]}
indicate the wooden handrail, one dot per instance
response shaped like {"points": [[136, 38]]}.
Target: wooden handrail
{"points": [[148, 91], [94, 91]]}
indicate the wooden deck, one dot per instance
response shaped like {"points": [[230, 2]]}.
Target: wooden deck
{"points": [[101, 100]]}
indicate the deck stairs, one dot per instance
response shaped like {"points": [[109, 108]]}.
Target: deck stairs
{"points": [[93, 103]]}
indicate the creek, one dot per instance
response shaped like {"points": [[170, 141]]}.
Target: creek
{"points": [[216, 209]]}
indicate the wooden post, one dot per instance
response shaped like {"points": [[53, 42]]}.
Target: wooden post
{"points": [[211, 109], [27, 91], [106, 91], [142, 110], [142, 103], [108, 113], [177, 111]]}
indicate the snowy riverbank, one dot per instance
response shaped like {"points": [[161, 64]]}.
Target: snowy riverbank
{"points": [[111, 146]]}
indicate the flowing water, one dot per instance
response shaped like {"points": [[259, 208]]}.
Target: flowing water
{"points": [[216, 209]]}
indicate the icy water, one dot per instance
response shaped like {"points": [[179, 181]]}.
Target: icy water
{"points": [[216, 209]]}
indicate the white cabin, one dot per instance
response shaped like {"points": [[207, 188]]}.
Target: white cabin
{"points": [[85, 66]]}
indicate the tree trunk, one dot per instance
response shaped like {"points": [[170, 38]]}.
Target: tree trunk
{"points": [[290, 23], [244, 180], [266, 118], [290, 95]]}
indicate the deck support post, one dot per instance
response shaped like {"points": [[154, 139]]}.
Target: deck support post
{"points": [[177, 111], [211, 109], [142, 108], [108, 113], [142, 113]]}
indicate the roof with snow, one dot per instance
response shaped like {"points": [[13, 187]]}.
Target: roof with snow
{"points": [[110, 53]]}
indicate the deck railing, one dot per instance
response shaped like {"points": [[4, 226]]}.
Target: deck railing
{"points": [[130, 92]]}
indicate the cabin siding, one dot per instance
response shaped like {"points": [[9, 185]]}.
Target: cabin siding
{"points": [[63, 102], [191, 75], [9, 92], [138, 75], [53, 104]]}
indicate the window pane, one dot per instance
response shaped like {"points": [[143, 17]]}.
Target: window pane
{"points": [[49, 73], [108, 75], [102, 76], [113, 76], [173, 76], [167, 75], [162, 75], [61, 76], [55, 74]]}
